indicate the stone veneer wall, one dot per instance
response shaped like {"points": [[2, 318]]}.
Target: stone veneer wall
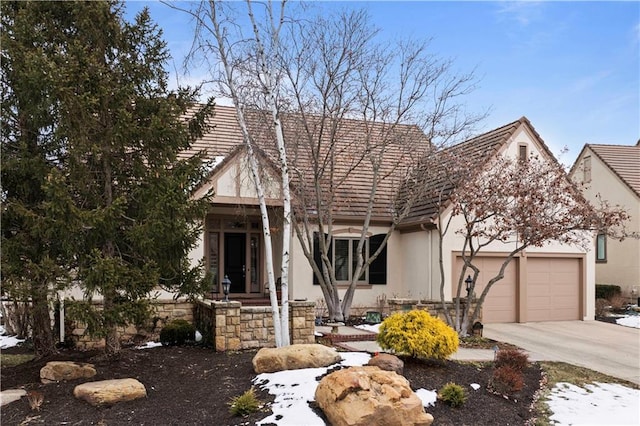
{"points": [[165, 311], [224, 325], [228, 326], [432, 306]]}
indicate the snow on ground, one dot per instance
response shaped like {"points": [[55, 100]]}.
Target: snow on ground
{"points": [[149, 345], [629, 321], [369, 327], [595, 404], [8, 341], [293, 390]]}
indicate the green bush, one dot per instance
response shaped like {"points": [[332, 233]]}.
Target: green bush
{"points": [[244, 404], [607, 291], [514, 358], [452, 394], [418, 334], [177, 332]]}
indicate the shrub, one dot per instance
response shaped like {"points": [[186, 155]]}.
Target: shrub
{"points": [[513, 358], [452, 394], [177, 332], [602, 307], [607, 291], [244, 404], [506, 380], [418, 334]]}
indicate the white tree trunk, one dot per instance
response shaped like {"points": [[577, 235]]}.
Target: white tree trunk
{"points": [[255, 174]]}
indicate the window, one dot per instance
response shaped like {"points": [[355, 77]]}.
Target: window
{"points": [[586, 170], [343, 255], [601, 248], [522, 152]]}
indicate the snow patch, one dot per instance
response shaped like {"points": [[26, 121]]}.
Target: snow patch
{"points": [[428, 397]]}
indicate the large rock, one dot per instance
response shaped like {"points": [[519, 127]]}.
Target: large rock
{"points": [[360, 396], [109, 392], [293, 357], [56, 371], [10, 395], [387, 362]]}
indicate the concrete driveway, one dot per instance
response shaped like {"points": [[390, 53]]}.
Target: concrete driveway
{"points": [[608, 348]]}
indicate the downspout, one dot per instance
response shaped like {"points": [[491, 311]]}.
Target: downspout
{"points": [[430, 254]]}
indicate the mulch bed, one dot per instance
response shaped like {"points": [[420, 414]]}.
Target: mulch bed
{"points": [[193, 385]]}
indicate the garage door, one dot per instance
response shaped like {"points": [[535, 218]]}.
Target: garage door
{"points": [[500, 304], [553, 289]]}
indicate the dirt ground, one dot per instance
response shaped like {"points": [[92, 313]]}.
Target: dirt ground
{"points": [[192, 385]]}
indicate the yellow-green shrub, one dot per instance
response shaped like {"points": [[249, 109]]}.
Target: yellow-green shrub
{"points": [[418, 334]]}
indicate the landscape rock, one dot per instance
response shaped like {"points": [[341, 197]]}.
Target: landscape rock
{"points": [[293, 357], [359, 396], [10, 395], [56, 371], [109, 392], [387, 362]]}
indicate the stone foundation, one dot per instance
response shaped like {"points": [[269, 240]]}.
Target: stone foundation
{"points": [[229, 326], [432, 306], [226, 326]]}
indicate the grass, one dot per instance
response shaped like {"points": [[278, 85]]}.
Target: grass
{"points": [[561, 372], [7, 360]]}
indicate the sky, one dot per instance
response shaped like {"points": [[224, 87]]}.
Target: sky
{"points": [[572, 68]]}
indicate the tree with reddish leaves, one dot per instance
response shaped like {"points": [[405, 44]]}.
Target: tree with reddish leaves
{"points": [[517, 204]]}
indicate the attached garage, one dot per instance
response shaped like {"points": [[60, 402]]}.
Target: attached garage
{"points": [[553, 289], [550, 289], [500, 304]]}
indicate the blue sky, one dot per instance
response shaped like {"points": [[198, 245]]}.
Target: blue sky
{"points": [[572, 68]]}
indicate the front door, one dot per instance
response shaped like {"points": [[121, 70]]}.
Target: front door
{"points": [[235, 258]]}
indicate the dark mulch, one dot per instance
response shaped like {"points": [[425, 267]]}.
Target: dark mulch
{"points": [[193, 385]]}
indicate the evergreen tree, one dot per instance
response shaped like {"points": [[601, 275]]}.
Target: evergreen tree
{"points": [[120, 131], [34, 254]]}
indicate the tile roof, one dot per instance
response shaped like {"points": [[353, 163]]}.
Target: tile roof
{"points": [[623, 160], [476, 151], [348, 180]]}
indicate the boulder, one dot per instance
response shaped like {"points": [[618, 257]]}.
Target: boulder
{"points": [[360, 396], [56, 371], [387, 362], [293, 357], [109, 392], [10, 395]]}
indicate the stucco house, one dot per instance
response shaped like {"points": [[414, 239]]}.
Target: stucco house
{"points": [[612, 172], [555, 282]]}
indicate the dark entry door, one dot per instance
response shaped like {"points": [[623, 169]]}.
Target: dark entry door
{"points": [[235, 258]]}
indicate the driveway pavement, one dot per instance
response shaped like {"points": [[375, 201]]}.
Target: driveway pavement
{"points": [[608, 348]]}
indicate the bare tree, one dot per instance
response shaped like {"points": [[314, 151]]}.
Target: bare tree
{"points": [[520, 204], [364, 112], [247, 76]]}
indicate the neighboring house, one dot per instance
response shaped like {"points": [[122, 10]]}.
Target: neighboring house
{"points": [[612, 173], [555, 282]]}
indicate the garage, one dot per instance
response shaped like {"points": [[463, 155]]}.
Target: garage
{"points": [[500, 304], [553, 289]]}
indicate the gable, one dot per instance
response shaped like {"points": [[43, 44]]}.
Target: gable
{"points": [[480, 150], [231, 182]]}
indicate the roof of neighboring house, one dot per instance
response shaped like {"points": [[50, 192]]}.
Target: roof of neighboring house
{"points": [[351, 175], [478, 151], [623, 160]]}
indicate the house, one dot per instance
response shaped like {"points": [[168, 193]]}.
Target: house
{"points": [[555, 282], [612, 173]]}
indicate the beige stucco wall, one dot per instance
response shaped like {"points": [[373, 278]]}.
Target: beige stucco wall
{"points": [[623, 257]]}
